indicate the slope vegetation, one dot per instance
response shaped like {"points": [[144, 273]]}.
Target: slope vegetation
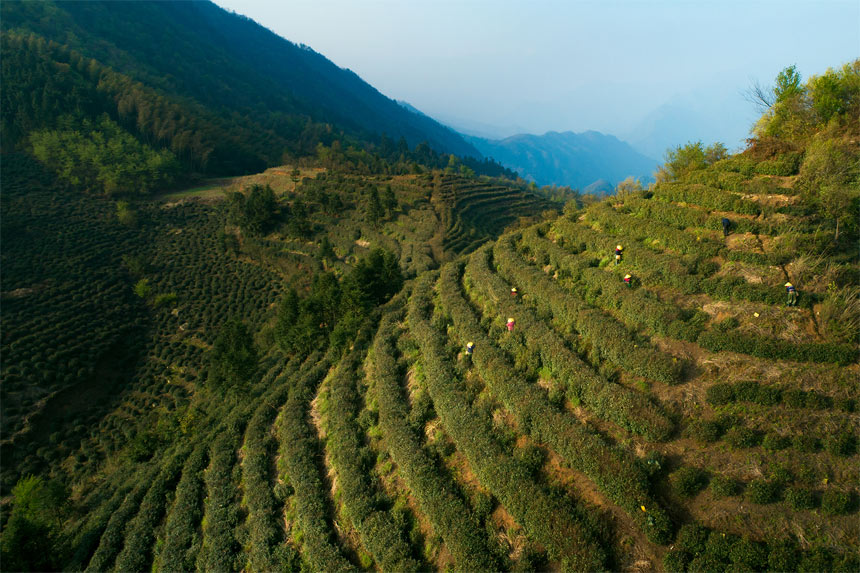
{"points": [[270, 373]]}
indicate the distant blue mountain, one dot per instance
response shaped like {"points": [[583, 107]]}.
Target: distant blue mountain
{"points": [[575, 159]]}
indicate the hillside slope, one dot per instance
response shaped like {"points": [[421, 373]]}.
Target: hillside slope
{"points": [[230, 65], [271, 372]]}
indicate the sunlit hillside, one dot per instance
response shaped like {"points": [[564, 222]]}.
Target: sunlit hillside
{"points": [[382, 357]]}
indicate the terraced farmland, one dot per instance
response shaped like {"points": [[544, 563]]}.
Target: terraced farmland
{"points": [[621, 427]]}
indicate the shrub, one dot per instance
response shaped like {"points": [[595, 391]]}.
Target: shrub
{"points": [[804, 443], [835, 502], [689, 481], [842, 443], [692, 538], [774, 442], [847, 404], [794, 398], [768, 396], [815, 560], [763, 491], [720, 545], [740, 437], [706, 564], [675, 561], [749, 554], [724, 486], [800, 498], [818, 401], [720, 393], [705, 431], [783, 556]]}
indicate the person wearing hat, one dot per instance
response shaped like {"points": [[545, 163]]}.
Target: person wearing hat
{"points": [[470, 347], [619, 250], [792, 294], [514, 292], [510, 325], [628, 279]]}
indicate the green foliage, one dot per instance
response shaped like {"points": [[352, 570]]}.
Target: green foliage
{"points": [[125, 214], [451, 518], [705, 431], [299, 450], [777, 349], [689, 481], [675, 561], [774, 442], [611, 339], [784, 555], [692, 539], [682, 160], [840, 314], [142, 288], [254, 211], [724, 486], [800, 498], [181, 541], [740, 437], [762, 491], [608, 467], [835, 502], [136, 554], [265, 536], [608, 401], [233, 358], [551, 521], [30, 540], [361, 496], [748, 554], [841, 443], [101, 156]]}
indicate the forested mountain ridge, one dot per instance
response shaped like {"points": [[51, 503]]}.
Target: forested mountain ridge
{"points": [[201, 56]]}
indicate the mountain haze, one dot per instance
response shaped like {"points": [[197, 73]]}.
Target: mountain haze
{"points": [[574, 159]]}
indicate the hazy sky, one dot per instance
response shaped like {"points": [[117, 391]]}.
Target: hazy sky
{"points": [[503, 66]]}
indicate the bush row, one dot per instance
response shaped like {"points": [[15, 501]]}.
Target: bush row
{"points": [[776, 349], [298, 451], [658, 235], [748, 391], [353, 462], [89, 531], [838, 443], [609, 339], [550, 520], [180, 541], [265, 545], [705, 196], [637, 308], [111, 540], [686, 217], [221, 509], [688, 481], [450, 516], [614, 470], [689, 276], [698, 548], [136, 554], [630, 410]]}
